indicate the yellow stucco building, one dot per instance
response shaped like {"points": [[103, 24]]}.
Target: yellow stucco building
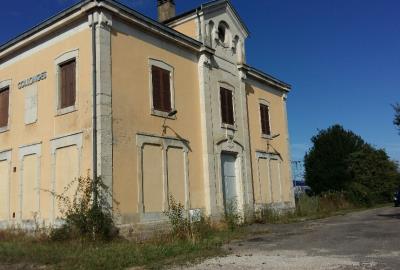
{"points": [[156, 108]]}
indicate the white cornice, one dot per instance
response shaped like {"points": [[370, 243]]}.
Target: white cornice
{"points": [[264, 78], [42, 33], [81, 11]]}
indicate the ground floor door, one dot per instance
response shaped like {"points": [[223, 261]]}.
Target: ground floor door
{"points": [[228, 168]]}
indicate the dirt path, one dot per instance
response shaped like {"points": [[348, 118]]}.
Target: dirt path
{"points": [[362, 240]]}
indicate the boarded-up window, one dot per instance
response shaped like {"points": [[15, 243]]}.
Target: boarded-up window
{"points": [[66, 172], [153, 189], [161, 89], [275, 174], [227, 106], [264, 185], [4, 104], [67, 84], [29, 187], [265, 126], [4, 189]]}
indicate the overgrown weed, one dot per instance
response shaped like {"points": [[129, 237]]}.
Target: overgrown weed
{"points": [[307, 207], [88, 215], [184, 227]]}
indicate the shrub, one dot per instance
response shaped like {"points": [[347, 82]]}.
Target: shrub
{"points": [[88, 215], [269, 215], [307, 205], [375, 176], [232, 216], [182, 226], [179, 222]]}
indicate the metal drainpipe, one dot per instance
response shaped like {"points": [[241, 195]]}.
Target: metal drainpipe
{"points": [[94, 78]]}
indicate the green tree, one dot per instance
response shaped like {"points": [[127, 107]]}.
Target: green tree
{"points": [[396, 120], [326, 162], [326, 167], [374, 175], [340, 160]]}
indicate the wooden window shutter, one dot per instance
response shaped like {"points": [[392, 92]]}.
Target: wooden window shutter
{"points": [[67, 84], [4, 105], [223, 105], [155, 73], [265, 125], [227, 106], [161, 89]]}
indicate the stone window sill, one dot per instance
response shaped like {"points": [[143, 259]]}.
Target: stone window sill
{"points": [[162, 114], [4, 129], [229, 126], [265, 136], [66, 110]]}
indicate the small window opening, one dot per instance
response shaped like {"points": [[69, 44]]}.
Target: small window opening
{"points": [[221, 32]]}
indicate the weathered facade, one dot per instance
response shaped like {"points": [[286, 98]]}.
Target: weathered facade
{"points": [[154, 108]]}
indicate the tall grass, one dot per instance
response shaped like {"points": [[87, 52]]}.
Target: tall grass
{"points": [[307, 207]]}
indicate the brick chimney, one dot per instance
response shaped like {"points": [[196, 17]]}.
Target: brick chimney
{"points": [[166, 9]]}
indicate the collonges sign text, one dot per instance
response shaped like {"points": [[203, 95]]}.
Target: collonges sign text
{"points": [[40, 77]]}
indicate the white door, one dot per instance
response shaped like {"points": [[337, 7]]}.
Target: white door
{"points": [[228, 165]]}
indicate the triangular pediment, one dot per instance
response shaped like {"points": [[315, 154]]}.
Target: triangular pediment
{"points": [[218, 7]]}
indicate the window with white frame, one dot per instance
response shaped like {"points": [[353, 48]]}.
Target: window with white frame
{"points": [[67, 82], [227, 111], [4, 105], [265, 119], [161, 88]]}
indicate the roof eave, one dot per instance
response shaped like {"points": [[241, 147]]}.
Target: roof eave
{"points": [[82, 8], [210, 4], [39, 27], [154, 25], [218, 2], [264, 77]]}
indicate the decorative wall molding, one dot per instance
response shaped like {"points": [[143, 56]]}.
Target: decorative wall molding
{"points": [[75, 139], [6, 155], [24, 151], [5, 84], [161, 64], [59, 60], [104, 99], [230, 147], [143, 139], [269, 157]]}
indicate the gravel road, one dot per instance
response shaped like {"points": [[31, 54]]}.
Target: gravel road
{"points": [[363, 240]]}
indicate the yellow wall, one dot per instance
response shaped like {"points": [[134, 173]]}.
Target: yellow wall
{"points": [[131, 51], [67, 169], [176, 174], [188, 28], [153, 184], [29, 187], [48, 125], [255, 92]]}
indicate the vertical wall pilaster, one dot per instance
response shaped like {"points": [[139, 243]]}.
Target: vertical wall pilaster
{"points": [[248, 195], [104, 100], [289, 154], [207, 134]]}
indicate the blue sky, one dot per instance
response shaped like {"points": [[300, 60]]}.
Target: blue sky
{"points": [[342, 58]]}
